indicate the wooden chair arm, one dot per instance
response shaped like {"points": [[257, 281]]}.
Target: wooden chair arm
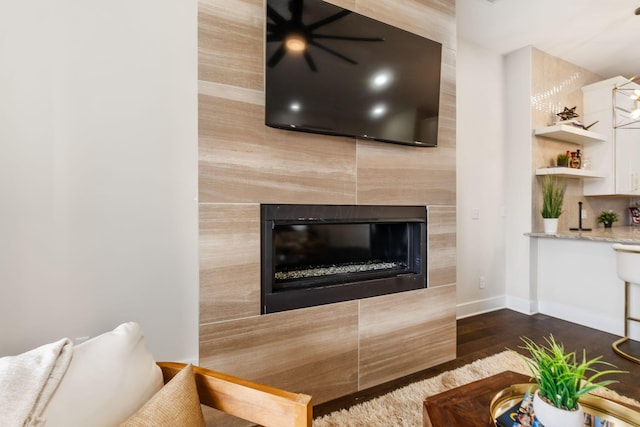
{"points": [[260, 404]]}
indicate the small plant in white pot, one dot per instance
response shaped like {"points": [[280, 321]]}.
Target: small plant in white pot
{"points": [[552, 198], [561, 381]]}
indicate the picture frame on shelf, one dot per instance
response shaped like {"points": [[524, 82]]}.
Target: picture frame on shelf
{"points": [[634, 213]]}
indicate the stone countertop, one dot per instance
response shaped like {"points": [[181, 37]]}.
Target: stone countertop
{"points": [[628, 234]]}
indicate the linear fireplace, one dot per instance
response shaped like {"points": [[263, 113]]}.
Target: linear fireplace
{"points": [[320, 254]]}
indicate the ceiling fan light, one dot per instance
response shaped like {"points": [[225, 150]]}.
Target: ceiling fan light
{"points": [[635, 114], [295, 43]]}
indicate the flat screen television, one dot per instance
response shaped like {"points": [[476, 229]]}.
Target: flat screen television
{"points": [[333, 71]]}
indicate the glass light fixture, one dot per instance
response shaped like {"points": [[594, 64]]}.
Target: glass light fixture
{"points": [[635, 114], [628, 115]]}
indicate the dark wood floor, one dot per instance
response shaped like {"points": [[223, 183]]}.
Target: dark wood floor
{"points": [[486, 334]]}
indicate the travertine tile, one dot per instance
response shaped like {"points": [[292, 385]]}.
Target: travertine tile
{"points": [[230, 42], [398, 174], [435, 20], [406, 332], [312, 350], [441, 245], [229, 261], [244, 161]]}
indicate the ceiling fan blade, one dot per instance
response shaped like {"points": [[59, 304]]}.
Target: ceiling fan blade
{"points": [[328, 20], [295, 6], [276, 57], [275, 16], [333, 52], [356, 39], [274, 36], [273, 28], [310, 62]]}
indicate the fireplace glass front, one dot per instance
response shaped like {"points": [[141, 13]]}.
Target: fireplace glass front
{"points": [[320, 254]]}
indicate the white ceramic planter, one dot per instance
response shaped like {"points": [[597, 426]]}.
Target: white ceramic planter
{"points": [[550, 225], [550, 416]]}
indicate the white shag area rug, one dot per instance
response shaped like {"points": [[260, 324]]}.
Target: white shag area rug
{"points": [[403, 407]]}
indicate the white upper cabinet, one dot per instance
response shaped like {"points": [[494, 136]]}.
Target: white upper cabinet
{"points": [[619, 157]]}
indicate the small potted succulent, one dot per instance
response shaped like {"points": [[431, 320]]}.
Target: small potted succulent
{"points": [[607, 218], [561, 381]]}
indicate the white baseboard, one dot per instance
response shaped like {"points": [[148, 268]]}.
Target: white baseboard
{"points": [[589, 318], [522, 305], [480, 306], [569, 313]]}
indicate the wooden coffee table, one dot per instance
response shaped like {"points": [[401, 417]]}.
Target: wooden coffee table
{"points": [[468, 405]]}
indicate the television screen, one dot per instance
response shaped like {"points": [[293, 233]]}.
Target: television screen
{"points": [[333, 71]]}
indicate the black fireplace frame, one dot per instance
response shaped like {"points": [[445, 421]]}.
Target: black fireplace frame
{"points": [[363, 285]]}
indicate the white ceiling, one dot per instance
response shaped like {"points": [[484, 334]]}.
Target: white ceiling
{"points": [[602, 36]]}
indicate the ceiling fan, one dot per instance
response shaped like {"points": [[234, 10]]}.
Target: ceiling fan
{"points": [[296, 36]]}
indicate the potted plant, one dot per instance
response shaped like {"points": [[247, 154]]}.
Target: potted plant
{"points": [[607, 218], [562, 160], [561, 381], [552, 197]]}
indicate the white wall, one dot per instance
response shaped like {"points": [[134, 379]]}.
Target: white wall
{"points": [[518, 155], [98, 172], [480, 180]]}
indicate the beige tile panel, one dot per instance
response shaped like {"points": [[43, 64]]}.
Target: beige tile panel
{"points": [[434, 19], [233, 93], [230, 42], [396, 174], [313, 350], [403, 333], [441, 245], [244, 161], [229, 261], [447, 119]]}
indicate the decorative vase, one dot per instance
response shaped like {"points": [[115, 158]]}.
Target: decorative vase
{"points": [[550, 416], [608, 224], [550, 225]]}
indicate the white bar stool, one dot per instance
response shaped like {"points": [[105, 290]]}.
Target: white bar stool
{"points": [[628, 265]]}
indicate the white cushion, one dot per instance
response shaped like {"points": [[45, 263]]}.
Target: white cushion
{"points": [[109, 378]]}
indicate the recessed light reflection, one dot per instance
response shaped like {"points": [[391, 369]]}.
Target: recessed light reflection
{"points": [[295, 106], [378, 110], [381, 80], [295, 43]]}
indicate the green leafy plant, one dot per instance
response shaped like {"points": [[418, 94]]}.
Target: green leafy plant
{"points": [[561, 379], [562, 160], [552, 196], [608, 217]]}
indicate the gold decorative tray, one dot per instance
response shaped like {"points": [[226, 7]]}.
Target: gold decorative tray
{"points": [[619, 415]]}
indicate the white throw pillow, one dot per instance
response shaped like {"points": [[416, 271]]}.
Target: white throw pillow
{"points": [[109, 378]]}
